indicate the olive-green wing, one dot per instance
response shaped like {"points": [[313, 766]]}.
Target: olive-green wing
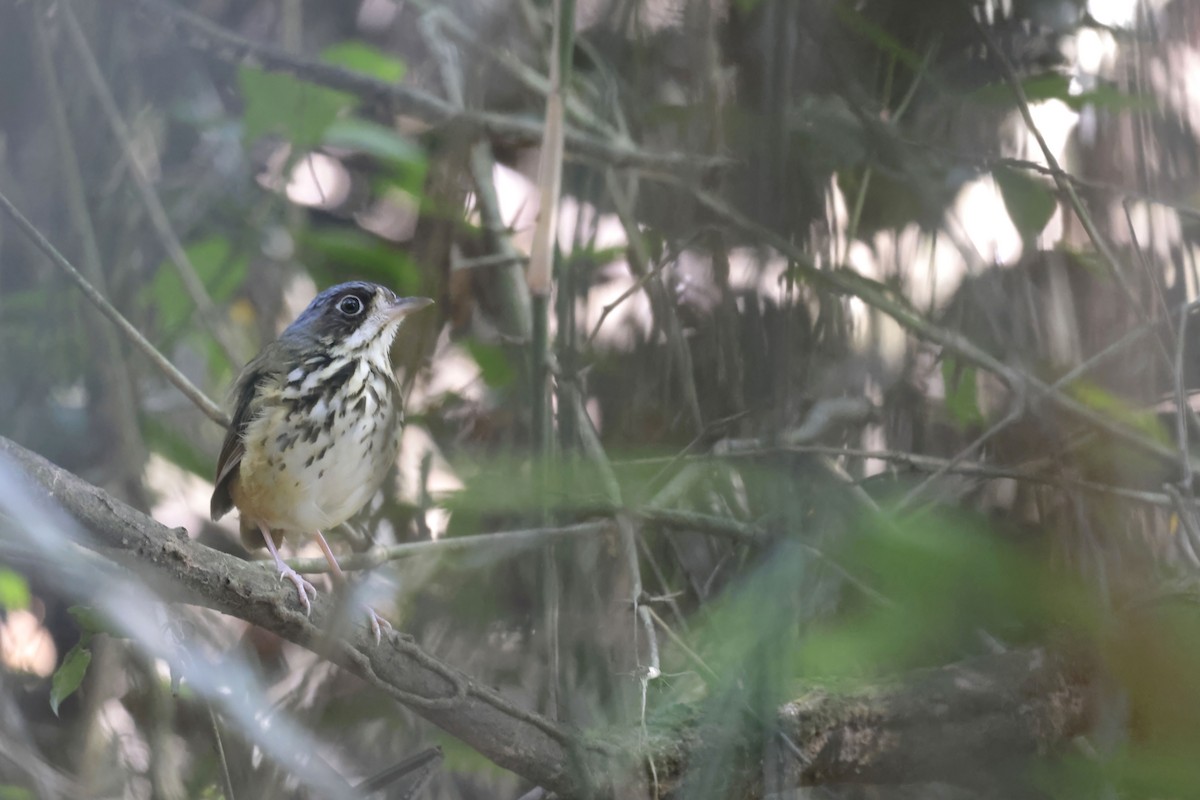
{"points": [[244, 409]]}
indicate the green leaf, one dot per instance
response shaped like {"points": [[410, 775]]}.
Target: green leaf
{"points": [[493, 363], [1120, 411], [1110, 98], [221, 272], [962, 400], [8, 792], [14, 590], [177, 446], [857, 22], [368, 60], [374, 139], [295, 109], [1029, 201], [333, 252], [90, 623], [1046, 86], [69, 676]]}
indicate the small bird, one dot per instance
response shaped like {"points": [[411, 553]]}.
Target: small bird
{"points": [[315, 424]]}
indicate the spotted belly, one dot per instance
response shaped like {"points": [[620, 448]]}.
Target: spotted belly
{"points": [[312, 461]]}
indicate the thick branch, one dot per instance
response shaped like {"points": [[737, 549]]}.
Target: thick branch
{"points": [[514, 738], [942, 723], [955, 722], [966, 723]]}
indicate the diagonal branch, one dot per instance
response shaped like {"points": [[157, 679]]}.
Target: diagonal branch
{"points": [[931, 724], [214, 41], [135, 337], [514, 738]]}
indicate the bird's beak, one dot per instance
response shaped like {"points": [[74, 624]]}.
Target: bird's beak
{"points": [[404, 306]]}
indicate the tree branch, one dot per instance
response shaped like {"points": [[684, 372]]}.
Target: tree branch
{"points": [[514, 738], [214, 41], [934, 724]]}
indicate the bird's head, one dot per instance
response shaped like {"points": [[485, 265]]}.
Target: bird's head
{"points": [[353, 317]]}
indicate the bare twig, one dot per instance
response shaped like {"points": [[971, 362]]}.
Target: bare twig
{"points": [[518, 322], [1181, 404], [227, 780], [216, 42], [177, 378], [114, 396], [595, 451], [177, 256], [664, 309], [913, 494], [844, 282], [922, 462], [532, 537]]}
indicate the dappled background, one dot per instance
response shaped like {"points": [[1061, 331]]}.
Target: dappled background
{"points": [[865, 349]]}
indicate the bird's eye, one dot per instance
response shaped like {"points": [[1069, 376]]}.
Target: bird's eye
{"points": [[350, 305]]}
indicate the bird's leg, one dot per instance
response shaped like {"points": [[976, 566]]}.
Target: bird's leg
{"points": [[303, 587], [375, 621]]}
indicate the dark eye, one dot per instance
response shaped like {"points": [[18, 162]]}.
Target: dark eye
{"points": [[350, 305]]}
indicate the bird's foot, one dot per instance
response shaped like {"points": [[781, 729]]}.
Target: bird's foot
{"points": [[377, 623], [304, 590]]}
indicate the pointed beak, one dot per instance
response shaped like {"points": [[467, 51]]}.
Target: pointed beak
{"points": [[403, 306]]}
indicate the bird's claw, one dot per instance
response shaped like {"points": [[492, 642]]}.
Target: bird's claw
{"points": [[377, 624], [304, 590]]}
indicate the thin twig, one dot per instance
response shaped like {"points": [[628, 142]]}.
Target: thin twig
{"points": [[1067, 188], [1009, 419], [595, 451], [443, 16], [1181, 404], [177, 378], [682, 645], [114, 396], [922, 462], [214, 41], [225, 776], [377, 556], [664, 309], [159, 220], [845, 282], [518, 322]]}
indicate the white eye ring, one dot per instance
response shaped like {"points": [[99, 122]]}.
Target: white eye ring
{"points": [[350, 305]]}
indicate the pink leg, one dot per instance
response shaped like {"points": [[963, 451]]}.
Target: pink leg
{"points": [[375, 621], [303, 587]]}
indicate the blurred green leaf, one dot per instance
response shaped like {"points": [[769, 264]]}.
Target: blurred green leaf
{"points": [[176, 446], [1057, 86], [364, 58], [221, 272], [1119, 410], [858, 23], [91, 623], [374, 139], [338, 253], [962, 399], [1029, 201], [282, 104], [404, 161], [493, 363], [15, 793], [14, 590], [68, 677], [1044, 86], [946, 576], [1110, 98]]}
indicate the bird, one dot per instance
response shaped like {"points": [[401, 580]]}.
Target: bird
{"points": [[315, 425]]}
